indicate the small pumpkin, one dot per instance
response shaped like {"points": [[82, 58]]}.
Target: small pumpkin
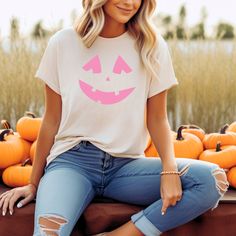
{"points": [[12, 150], [151, 150], [225, 138], [32, 151], [224, 156], [26, 144], [17, 175], [196, 130], [187, 145], [28, 126], [232, 127], [231, 176]]}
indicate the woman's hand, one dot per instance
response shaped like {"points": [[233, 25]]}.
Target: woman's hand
{"points": [[171, 191], [8, 198]]}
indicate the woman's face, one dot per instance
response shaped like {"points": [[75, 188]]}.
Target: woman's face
{"points": [[121, 11]]}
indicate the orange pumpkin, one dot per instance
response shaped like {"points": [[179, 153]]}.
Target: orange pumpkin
{"points": [[196, 130], [32, 151], [232, 127], [187, 145], [12, 149], [231, 176], [225, 138], [151, 150], [28, 126], [224, 156], [26, 144], [17, 175]]}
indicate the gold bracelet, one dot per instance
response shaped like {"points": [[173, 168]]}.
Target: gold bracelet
{"points": [[170, 173]]}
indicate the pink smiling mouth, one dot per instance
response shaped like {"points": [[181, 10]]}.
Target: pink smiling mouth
{"points": [[104, 97]]}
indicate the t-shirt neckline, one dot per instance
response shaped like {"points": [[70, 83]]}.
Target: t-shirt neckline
{"points": [[123, 35]]}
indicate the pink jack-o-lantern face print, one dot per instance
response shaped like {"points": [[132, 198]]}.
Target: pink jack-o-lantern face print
{"points": [[106, 98]]}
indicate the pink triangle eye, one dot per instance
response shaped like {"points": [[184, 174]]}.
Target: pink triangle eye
{"points": [[121, 65], [94, 65]]}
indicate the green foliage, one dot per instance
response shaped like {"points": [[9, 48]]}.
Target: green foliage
{"points": [[225, 31]]}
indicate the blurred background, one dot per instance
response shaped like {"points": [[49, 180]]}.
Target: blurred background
{"points": [[201, 36]]}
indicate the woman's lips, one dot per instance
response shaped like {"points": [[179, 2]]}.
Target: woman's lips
{"points": [[124, 10]]}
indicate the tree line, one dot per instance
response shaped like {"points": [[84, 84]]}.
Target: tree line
{"points": [[171, 29]]}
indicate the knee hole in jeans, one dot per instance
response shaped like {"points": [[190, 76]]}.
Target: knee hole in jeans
{"points": [[221, 181], [50, 225]]}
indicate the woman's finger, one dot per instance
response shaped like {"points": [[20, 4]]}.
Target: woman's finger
{"points": [[165, 205], [5, 204]]}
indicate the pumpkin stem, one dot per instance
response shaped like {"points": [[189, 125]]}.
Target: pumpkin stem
{"points": [[5, 124], [218, 146], [223, 129], [179, 132], [27, 161], [5, 132], [31, 114]]}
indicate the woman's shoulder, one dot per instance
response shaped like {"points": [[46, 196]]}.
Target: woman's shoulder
{"points": [[64, 34]]}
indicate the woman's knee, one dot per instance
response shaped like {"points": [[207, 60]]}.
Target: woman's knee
{"points": [[215, 180]]}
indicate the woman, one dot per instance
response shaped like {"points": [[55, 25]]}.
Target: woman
{"points": [[106, 82]]}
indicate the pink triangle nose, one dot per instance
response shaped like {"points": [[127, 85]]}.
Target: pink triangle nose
{"points": [[108, 79]]}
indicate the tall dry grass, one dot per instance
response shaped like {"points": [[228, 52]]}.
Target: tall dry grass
{"points": [[206, 94], [206, 72]]}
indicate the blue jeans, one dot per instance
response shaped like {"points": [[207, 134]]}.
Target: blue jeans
{"points": [[75, 177]]}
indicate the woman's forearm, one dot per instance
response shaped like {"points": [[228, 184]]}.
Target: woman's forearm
{"points": [[160, 133], [45, 141]]}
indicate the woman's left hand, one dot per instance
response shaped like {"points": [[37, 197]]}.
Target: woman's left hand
{"points": [[171, 191]]}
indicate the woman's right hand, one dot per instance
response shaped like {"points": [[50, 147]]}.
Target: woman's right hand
{"points": [[8, 198]]}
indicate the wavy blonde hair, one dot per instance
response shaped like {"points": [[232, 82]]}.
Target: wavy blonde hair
{"points": [[90, 24]]}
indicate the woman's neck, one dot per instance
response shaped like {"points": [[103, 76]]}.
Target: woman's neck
{"points": [[112, 29]]}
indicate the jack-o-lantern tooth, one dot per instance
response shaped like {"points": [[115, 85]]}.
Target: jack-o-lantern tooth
{"points": [[117, 92], [93, 89]]}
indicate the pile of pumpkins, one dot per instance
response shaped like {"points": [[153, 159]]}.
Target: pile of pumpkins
{"points": [[17, 149], [190, 141]]}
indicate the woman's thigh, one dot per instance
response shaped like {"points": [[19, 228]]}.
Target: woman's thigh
{"points": [[63, 194], [138, 182]]}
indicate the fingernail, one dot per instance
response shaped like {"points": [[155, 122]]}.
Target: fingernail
{"points": [[10, 213], [19, 205], [163, 213], [3, 213]]}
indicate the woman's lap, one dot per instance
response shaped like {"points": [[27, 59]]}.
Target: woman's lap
{"points": [[74, 178]]}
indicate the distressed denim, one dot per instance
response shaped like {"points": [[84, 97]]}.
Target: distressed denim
{"points": [[75, 177]]}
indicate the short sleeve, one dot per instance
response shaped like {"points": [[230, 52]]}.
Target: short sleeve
{"points": [[48, 70], [166, 75]]}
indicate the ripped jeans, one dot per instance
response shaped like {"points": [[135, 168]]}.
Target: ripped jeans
{"points": [[75, 177]]}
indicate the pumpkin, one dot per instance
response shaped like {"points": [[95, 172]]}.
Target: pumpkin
{"points": [[224, 156], [225, 138], [12, 150], [26, 144], [232, 127], [231, 176], [196, 130], [17, 175], [28, 126], [151, 150], [186, 144], [32, 151]]}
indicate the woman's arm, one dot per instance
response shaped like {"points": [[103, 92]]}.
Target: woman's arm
{"points": [[49, 127], [159, 129]]}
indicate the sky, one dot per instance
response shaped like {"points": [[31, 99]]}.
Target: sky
{"points": [[52, 11]]}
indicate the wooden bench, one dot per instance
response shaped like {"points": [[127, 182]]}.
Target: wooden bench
{"points": [[105, 214]]}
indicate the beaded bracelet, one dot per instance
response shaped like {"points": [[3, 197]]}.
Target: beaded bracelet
{"points": [[170, 173]]}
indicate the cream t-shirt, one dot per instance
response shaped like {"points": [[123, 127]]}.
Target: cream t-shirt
{"points": [[104, 90]]}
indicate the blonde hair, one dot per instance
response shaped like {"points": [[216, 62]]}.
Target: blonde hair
{"points": [[140, 26]]}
